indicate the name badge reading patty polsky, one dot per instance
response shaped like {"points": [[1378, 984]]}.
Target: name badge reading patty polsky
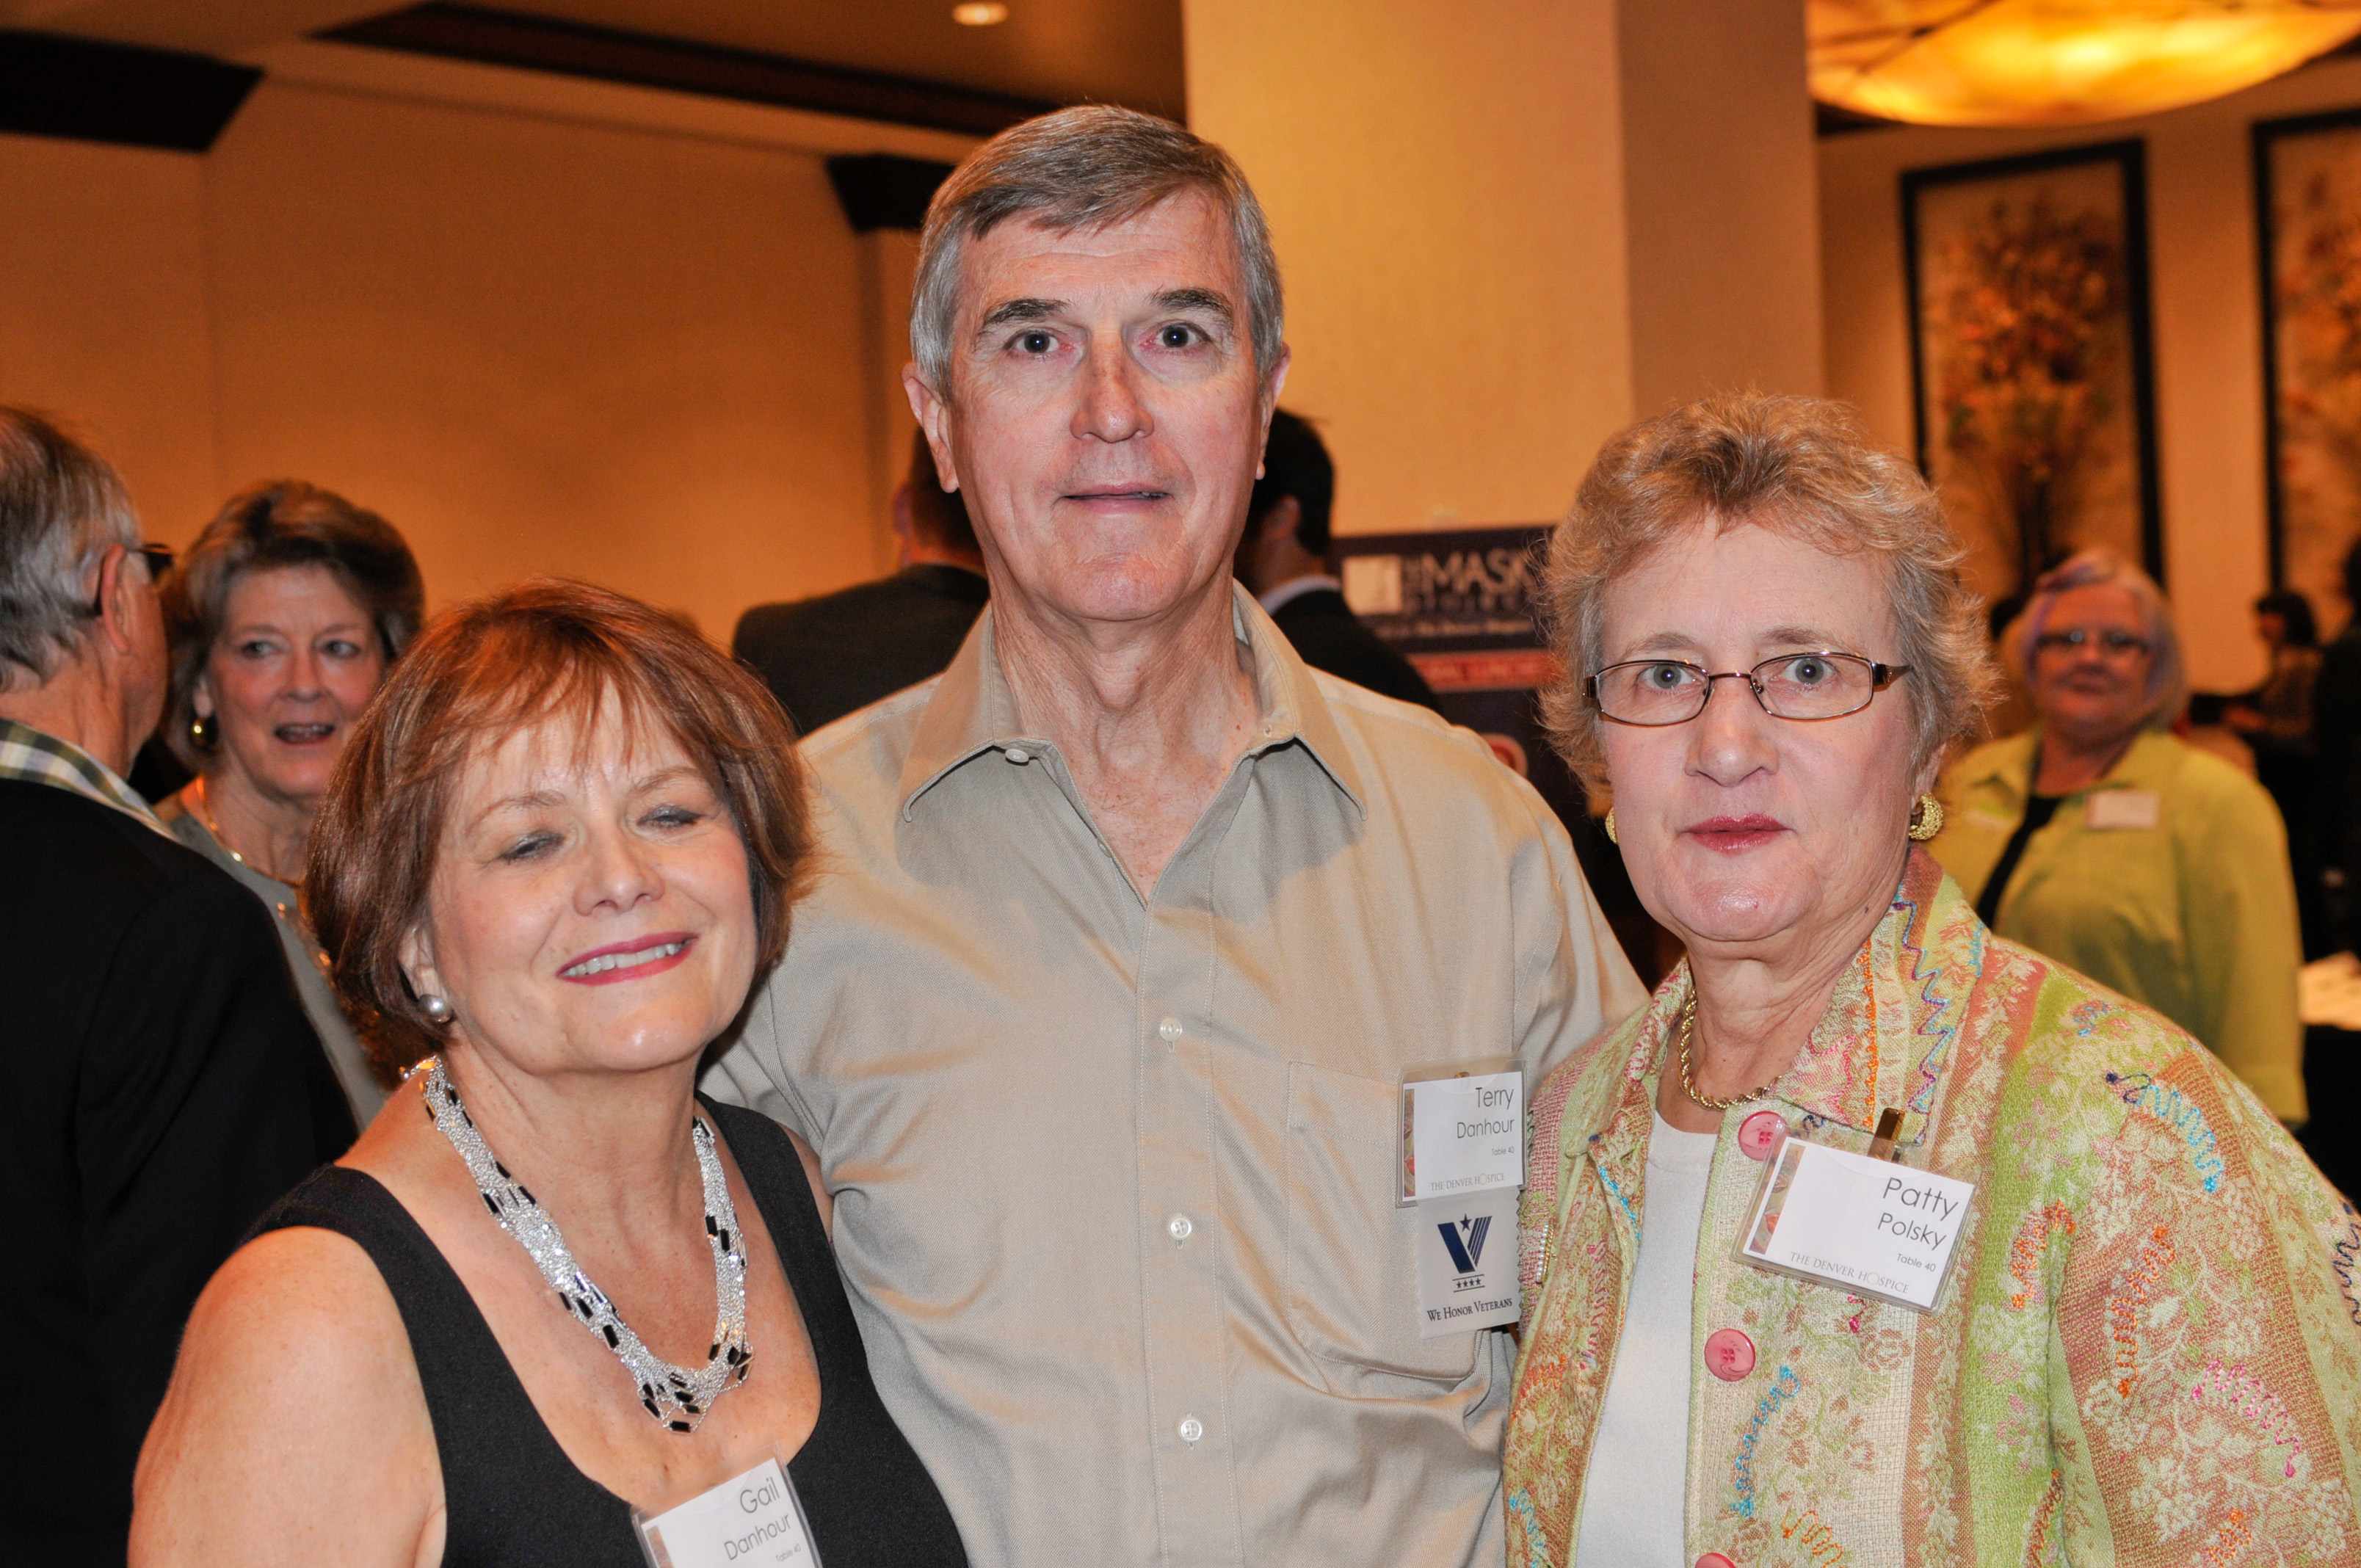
{"points": [[1867, 1226], [1462, 1134], [755, 1517]]}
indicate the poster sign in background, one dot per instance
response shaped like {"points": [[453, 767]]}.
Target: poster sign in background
{"points": [[1461, 605]]}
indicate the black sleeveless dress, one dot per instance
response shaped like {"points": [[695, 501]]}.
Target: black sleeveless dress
{"points": [[511, 1497]]}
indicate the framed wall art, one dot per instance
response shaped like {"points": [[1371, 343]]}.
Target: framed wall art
{"points": [[2030, 367], [2308, 201]]}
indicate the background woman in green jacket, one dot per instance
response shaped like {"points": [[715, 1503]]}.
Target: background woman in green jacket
{"points": [[2099, 840]]}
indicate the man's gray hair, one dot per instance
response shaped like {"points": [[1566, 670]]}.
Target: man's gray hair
{"points": [[60, 506], [1082, 169]]}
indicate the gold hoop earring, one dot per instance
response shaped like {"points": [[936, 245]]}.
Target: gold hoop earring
{"points": [[1611, 828], [1925, 820]]}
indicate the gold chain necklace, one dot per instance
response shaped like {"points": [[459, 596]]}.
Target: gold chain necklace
{"points": [[205, 815], [1688, 1084]]}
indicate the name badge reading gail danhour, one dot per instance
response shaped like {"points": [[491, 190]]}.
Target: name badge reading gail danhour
{"points": [[750, 1517], [1865, 1225]]}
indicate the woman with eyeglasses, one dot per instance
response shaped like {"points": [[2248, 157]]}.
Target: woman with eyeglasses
{"points": [[2099, 838], [1877, 1237]]}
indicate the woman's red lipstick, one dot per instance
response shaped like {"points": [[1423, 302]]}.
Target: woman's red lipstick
{"points": [[634, 959], [1732, 834]]}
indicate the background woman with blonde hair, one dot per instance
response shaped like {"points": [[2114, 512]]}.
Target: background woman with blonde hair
{"points": [[284, 619], [2101, 840]]}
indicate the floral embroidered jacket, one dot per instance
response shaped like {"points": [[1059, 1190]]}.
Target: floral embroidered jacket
{"points": [[2148, 1350]]}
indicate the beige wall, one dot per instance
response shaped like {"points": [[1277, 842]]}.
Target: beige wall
{"points": [[1506, 227], [102, 316], [2207, 314], [1721, 199], [1446, 190], [541, 325]]}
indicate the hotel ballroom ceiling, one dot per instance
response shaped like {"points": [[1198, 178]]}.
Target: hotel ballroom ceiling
{"points": [[2046, 62], [1125, 51]]}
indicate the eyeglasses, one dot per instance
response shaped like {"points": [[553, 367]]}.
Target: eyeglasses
{"points": [[1652, 692], [159, 559], [2112, 643]]}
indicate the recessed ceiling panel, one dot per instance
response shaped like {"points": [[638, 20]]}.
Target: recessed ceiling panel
{"points": [[1066, 51]]}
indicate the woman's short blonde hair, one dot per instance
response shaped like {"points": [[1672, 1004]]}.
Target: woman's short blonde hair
{"points": [[1800, 466]]}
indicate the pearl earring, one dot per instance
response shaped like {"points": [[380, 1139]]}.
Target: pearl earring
{"points": [[437, 1011]]}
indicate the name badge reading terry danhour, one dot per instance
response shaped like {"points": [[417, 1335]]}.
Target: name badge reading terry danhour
{"points": [[1867, 1226], [1463, 1130], [751, 1516]]}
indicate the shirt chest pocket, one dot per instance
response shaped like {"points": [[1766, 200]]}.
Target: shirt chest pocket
{"points": [[1351, 1280]]}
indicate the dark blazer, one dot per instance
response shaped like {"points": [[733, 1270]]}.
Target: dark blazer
{"points": [[163, 1089], [824, 657], [1331, 637]]}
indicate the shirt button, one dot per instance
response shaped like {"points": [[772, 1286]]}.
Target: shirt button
{"points": [[1180, 1227], [1715, 1560], [1191, 1429], [1017, 754], [1760, 1135], [1729, 1354], [1170, 1029]]}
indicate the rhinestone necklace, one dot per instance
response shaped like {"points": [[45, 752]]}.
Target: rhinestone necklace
{"points": [[1688, 1084], [674, 1396]]}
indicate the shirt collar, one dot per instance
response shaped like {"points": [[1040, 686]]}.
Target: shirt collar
{"points": [[973, 711], [1296, 587], [1886, 1038], [39, 757], [2009, 764]]}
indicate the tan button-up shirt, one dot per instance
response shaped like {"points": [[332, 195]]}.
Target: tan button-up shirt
{"points": [[1115, 1178]]}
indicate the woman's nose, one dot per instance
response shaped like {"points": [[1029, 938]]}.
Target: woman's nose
{"points": [[1732, 735], [619, 871]]}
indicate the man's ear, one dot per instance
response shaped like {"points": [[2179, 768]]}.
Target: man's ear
{"points": [[1285, 516], [115, 598], [934, 416]]}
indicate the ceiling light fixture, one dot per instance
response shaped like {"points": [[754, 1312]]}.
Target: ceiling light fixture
{"points": [[2052, 63], [980, 14]]}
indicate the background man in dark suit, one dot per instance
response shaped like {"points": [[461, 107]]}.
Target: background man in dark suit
{"points": [[1283, 562], [164, 1086], [824, 657]]}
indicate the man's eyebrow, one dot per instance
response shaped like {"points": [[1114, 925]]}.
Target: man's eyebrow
{"points": [[1204, 300], [1009, 311]]}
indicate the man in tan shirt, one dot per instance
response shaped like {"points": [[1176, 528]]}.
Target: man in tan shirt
{"points": [[1129, 924]]}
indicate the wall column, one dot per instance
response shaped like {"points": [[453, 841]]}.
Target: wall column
{"points": [[1508, 227]]}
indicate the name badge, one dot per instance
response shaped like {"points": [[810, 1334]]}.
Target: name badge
{"points": [[1463, 1130], [1467, 1275], [753, 1516], [2123, 809], [1867, 1226]]}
